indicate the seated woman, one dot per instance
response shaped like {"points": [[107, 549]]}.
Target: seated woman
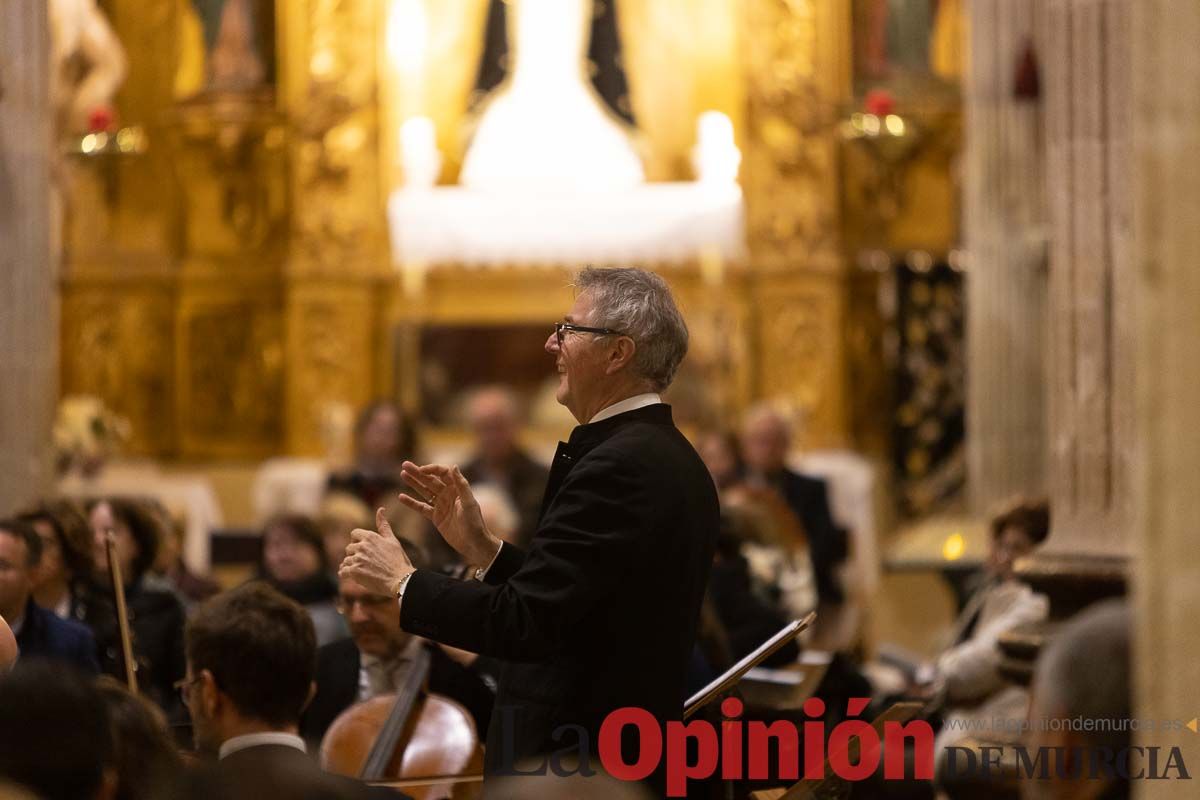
{"points": [[66, 554], [383, 438], [294, 561], [156, 614]]}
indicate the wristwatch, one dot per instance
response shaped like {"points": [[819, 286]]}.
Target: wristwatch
{"points": [[402, 585]]}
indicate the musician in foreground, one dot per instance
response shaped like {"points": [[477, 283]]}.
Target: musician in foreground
{"points": [[601, 612]]}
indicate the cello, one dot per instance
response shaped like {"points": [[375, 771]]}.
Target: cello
{"points": [[416, 740]]}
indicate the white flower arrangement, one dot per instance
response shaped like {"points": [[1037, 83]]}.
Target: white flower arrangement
{"points": [[86, 433]]}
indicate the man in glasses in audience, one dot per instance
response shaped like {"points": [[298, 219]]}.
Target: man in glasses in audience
{"points": [[377, 658]]}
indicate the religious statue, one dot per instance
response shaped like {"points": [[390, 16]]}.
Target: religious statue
{"points": [[545, 124], [236, 51], [87, 64]]}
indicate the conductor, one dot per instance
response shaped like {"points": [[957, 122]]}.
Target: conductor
{"points": [[601, 611]]}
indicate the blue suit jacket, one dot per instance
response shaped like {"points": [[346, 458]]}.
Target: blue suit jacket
{"points": [[45, 635]]}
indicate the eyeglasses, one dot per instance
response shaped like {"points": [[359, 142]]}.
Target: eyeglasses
{"points": [[345, 604], [560, 327], [184, 687]]}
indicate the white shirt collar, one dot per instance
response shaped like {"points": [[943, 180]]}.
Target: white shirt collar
{"points": [[231, 746], [628, 404]]}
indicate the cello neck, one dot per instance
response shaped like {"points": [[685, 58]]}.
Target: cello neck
{"points": [[384, 748]]}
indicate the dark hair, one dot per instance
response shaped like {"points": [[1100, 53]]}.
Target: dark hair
{"points": [[1031, 516], [306, 530], [71, 529], [55, 737], [23, 531], [260, 648], [406, 445], [143, 525], [146, 760]]}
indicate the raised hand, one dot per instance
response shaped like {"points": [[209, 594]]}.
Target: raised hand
{"points": [[376, 559], [452, 509]]}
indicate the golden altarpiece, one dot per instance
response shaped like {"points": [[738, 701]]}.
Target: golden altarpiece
{"points": [[226, 285]]}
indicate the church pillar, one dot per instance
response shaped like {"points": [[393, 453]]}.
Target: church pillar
{"points": [[28, 273], [1166, 196], [1090, 379], [1005, 229]]}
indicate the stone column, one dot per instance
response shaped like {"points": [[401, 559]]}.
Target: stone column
{"points": [[1091, 370], [1005, 226], [28, 275], [1166, 194]]}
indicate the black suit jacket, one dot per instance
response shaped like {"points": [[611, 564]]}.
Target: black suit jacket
{"points": [[827, 543], [602, 611], [338, 665], [277, 772], [44, 635]]}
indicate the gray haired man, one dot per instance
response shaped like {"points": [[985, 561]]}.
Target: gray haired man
{"points": [[601, 611]]}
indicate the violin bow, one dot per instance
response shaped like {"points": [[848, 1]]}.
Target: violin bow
{"points": [[118, 585]]}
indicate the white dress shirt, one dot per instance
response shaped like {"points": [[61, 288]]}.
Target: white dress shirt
{"points": [[231, 746], [628, 404]]}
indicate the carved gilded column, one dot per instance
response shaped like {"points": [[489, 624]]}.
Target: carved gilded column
{"points": [[1166, 193], [339, 289], [797, 56], [28, 270], [1006, 229], [1091, 368]]}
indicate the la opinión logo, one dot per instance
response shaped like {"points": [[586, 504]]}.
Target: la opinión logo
{"points": [[740, 749]]}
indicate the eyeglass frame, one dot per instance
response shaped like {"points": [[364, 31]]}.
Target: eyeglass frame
{"points": [[559, 327], [345, 605]]}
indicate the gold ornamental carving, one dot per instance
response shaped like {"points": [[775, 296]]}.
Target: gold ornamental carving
{"points": [[330, 336], [230, 377], [116, 344], [339, 184], [790, 170]]}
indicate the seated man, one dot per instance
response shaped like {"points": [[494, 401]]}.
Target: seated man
{"points": [[765, 442], [375, 661], [498, 457], [251, 654], [40, 633]]}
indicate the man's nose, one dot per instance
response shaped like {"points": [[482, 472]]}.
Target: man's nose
{"points": [[552, 343]]}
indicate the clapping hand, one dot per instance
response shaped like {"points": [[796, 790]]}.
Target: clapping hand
{"points": [[452, 509]]}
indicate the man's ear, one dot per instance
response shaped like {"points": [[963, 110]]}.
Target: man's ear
{"points": [[312, 692], [621, 354]]}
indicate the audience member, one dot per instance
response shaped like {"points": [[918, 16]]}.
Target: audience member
{"points": [[251, 660], [39, 633], [966, 676], [498, 511], [66, 554], [55, 734], [747, 618], [499, 459], [383, 437], [765, 441], [1084, 673], [376, 660], [170, 568], [148, 767], [294, 562], [156, 615], [774, 547]]}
